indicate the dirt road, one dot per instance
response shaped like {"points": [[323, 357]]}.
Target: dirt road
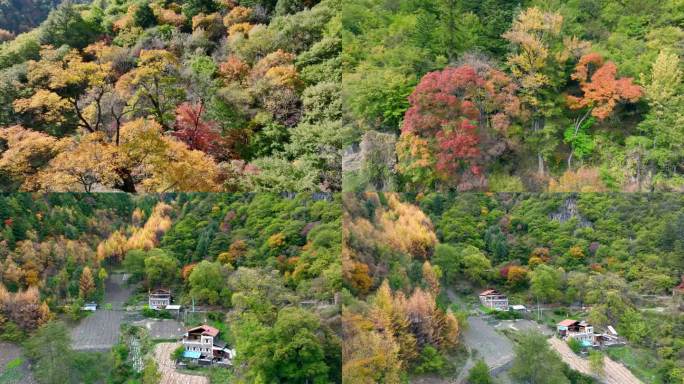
{"points": [[495, 348], [162, 355], [615, 373]]}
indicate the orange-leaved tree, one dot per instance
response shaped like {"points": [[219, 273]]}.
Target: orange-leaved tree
{"points": [[602, 91]]}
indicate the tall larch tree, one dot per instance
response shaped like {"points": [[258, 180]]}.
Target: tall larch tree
{"points": [[86, 284], [534, 37]]}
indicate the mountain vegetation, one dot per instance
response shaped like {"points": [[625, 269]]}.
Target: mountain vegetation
{"points": [[528, 95], [18, 16], [611, 253], [255, 260], [173, 96]]}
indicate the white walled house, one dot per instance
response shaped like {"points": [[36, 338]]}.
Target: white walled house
{"points": [[492, 299], [578, 330], [202, 344], [159, 298]]}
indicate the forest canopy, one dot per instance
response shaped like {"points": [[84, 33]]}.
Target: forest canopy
{"points": [[499, 95], [406, 256], [253, 259], [173, 96]]}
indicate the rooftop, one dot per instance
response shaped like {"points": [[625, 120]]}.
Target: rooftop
{"points": [[489, 292], [567, 322], [206, 330]]}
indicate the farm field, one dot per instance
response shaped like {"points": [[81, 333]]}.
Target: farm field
{"points": [[495, 348], [161, 328], [97, 332], [101, 330]]}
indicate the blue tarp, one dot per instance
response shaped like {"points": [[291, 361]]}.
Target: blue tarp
{"points": [[191, 354], [586, 343]]}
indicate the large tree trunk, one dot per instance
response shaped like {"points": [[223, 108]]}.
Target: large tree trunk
{"points": [[537, 125], [127, 183]]}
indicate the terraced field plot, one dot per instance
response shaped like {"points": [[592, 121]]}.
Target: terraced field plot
{"points": [[167, 368], [495, 348], [101, 330], [97, 332], [615, 373], [162, 329]]}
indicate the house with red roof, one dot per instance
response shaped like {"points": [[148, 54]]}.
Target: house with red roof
{"points": [[203, 345], [579, 330]]}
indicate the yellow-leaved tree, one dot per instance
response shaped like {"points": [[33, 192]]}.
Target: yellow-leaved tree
{"points": [[66, 82], [26, 152], [153, 86], [145, 159]]}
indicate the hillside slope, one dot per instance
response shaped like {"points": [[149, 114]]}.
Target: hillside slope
{"points": [[264, 269], [510, 96], [223, 96], [614, 259]]}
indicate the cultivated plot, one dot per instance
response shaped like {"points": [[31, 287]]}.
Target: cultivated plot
{"points": [[495, 348], [101, 330], [615, 373], [167, 368]]}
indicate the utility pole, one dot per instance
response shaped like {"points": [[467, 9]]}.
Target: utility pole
{"points": [[538, 310]]}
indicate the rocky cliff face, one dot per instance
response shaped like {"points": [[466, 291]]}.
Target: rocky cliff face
{"points": [[568, 211], [374, 157]]}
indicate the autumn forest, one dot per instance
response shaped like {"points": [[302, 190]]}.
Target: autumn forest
{"points": [[347, 192], [531, 95], [162, 96]]}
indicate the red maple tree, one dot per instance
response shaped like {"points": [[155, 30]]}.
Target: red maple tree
{"points": [[461, 113], [601, 90], [193, 130]]}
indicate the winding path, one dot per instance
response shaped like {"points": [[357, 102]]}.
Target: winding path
{"points": [[167, 368], [615, 373]]}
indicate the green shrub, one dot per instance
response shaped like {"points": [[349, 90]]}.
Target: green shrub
{"points": [[156, 314], [507, 315], [432, 361], [143, 16], [479, 374], [504, 183], [575, 345], [177, 353], [11, 332]]}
